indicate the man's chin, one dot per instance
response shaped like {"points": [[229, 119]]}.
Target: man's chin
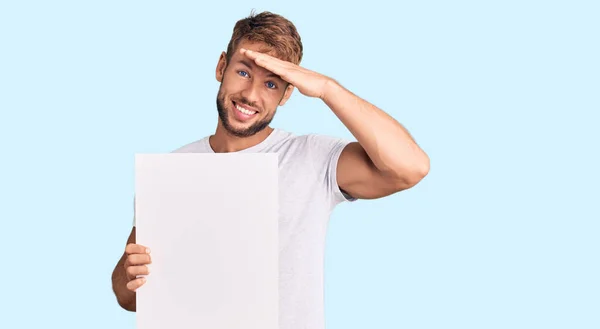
{"points": [[239, 129]]}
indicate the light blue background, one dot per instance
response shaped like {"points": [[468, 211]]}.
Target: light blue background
{"points": [[503, 95]]}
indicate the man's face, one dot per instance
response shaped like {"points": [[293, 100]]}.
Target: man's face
{"points": [[249, 95]]}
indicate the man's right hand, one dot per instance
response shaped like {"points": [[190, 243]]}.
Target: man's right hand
{"points": [[136, 265]]}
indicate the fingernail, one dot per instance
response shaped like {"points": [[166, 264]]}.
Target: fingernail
{"points": [[147, 250]]}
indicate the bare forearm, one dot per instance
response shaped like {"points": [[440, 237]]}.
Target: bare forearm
{"points": [[125, 297], [388, 144]]}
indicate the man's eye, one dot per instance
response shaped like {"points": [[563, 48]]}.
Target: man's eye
{"points": [[271, 85], [243, 73]]}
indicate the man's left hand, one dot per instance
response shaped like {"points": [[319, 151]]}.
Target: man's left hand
{"points": [[309, 83]]}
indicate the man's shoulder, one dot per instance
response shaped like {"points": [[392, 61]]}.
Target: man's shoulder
{"points": [[197, 146], [313, 139], [321, 142]]}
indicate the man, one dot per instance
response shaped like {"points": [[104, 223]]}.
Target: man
{"points": [[258, 73]]}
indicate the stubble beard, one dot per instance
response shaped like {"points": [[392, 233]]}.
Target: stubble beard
{"points": [[247, 132]]}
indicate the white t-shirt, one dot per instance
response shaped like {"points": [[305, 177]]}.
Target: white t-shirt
{"points": [[308, 194]]}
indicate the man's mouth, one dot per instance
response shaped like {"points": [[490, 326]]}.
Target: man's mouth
{"points": [[244, 109]]}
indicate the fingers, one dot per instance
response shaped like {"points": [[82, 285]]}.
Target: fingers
{"points": [[268, 62], [133, 285], [133, 248], [138, 256], [134, 271], [137, 259]]}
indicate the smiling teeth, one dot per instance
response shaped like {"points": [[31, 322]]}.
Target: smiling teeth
{"points": [[243, 110]]}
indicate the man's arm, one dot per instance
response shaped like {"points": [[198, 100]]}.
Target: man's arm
{"points": [[385, 159]]}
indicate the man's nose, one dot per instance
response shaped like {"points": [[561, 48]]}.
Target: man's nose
{"points": [[251, 93]]}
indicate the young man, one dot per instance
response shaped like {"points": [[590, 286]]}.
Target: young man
{"points": [[258, 73]]}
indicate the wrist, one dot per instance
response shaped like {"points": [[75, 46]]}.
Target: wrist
{"points": [[330, 88]]}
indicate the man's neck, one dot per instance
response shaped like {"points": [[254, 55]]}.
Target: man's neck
{"points": [[224, 142]]}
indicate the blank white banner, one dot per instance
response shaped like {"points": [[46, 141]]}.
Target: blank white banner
{"points": [[211, 223]]}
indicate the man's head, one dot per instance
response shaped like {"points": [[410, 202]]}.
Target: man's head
{"points": [[249, 95]]}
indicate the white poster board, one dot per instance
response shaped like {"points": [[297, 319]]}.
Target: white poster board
{"points": [[211, 223]]}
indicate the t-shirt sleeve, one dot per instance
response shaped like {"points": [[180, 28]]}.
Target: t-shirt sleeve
{"points": [[325, 152]]}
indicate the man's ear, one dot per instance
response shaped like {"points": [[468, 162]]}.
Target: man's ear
{"points": [[286, 95], [221, 65]]}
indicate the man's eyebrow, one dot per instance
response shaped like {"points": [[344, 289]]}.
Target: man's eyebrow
{"points": [[248, 64]]}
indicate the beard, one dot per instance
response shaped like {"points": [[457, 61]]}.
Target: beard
{"points": [[243, 132]]}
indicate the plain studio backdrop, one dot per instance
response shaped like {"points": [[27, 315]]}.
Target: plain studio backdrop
{"points": [[503, 96]]}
